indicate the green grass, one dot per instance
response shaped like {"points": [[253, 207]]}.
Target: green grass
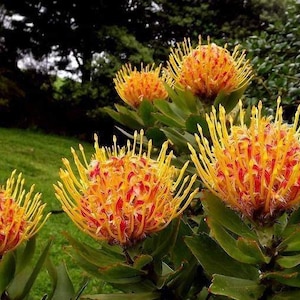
{"points": [[38, 156]]}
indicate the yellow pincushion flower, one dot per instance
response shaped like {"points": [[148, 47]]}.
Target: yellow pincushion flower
{"points": [[123, 194], [255, 169], [207, 70], [134, 86], [21, 216]]}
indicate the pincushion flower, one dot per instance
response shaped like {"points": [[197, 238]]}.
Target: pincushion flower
{"points": [[134, 86], [255, 169], [207, 70], [21, 214], [123, 194]]}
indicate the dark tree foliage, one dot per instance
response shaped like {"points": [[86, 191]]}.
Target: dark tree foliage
{"points": [[127, 30], [66, 26], [103, 35]]}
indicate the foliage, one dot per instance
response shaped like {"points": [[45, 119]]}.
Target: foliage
{"points": [[245, 263], [275, 57], [17, 273]]}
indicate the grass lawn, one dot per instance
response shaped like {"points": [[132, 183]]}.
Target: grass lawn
{"points": [[38, 156]]}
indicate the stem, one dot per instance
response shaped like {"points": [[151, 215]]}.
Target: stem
{"points": [[271, 244]]}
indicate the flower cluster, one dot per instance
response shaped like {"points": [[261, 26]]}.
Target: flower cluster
{"points": [[123, 194], [21, 216], [205, 70], [255, 169]]}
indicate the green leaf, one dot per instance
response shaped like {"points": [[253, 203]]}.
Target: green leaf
{"points": [[280, 225], [177, 139], [236, 288], [125, 116], [291, 243], [117, 273], [177, 100], [130, 296], [121, 273], [204, 294], [230, 101], [180, 252], [216, 209], [142, 286], [102, 256], [191, 101], [289, 230], [157, 136], [189, 276], [166, 120], [229, 243], [24, 256], [52, 274], [184, 100], [63, 288], [177, 111], [114, 115], [167, 274], [129, 117], [7, 270], [192, 123], [185, 262], [289, 277], [170, 111], [215, 260], [81, 289], [289, 261], [23, 281], [252, 248], [84, 264], [294, 217], [145, 111], [141, 261], [162, 242]]}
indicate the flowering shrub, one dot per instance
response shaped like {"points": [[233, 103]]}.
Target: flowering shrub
{"points": [[163, 232]]}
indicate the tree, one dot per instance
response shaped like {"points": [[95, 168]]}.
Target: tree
{"points": [[103, 35], [68, 27]]}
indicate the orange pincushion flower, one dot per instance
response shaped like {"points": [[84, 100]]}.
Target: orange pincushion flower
{"points": [[134, 86], [255, 169], [208, 69], [121, 195], [20, 216]]}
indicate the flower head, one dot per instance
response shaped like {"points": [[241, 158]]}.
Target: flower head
{"points": [[123, 194], [208, 69], [20, 214], [134, 86], [255, 169]]}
